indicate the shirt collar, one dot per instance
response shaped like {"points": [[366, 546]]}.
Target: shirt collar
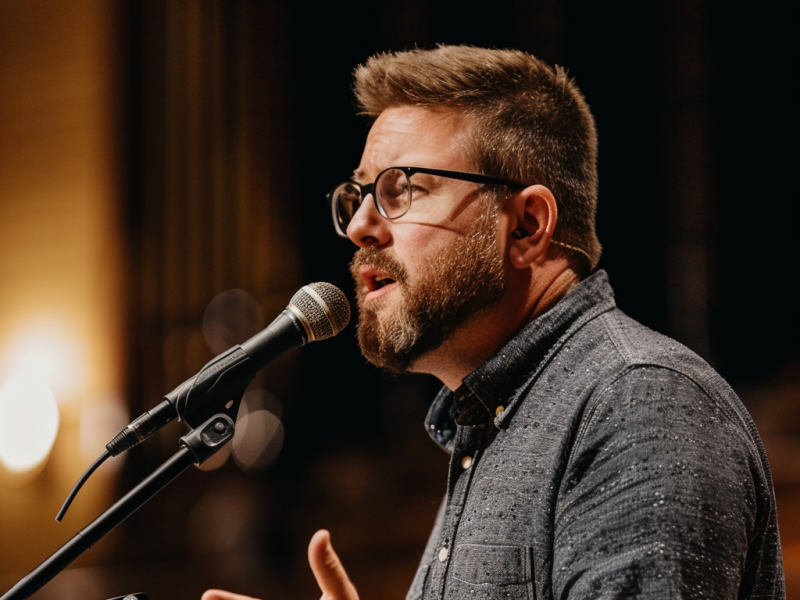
{"points": [[492, 390]]}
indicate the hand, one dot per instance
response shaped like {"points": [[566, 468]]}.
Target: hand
{"points": [[328, 570], [220, 595]]}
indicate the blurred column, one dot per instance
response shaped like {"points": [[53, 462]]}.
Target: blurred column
{"points": [[216, 209], [688, 193], [62, 262], [217, 206]]}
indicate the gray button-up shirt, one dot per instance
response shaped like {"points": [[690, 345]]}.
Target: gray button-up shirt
{"points": [[594, 458]]}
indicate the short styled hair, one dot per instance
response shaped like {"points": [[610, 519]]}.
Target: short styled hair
{"points": [[529, 123]]}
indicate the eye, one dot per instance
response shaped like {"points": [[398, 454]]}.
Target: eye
{"points": [[416, 191], [393, 192], [422, 185]]}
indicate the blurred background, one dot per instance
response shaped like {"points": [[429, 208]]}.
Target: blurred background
{"points": [[163, 166]]}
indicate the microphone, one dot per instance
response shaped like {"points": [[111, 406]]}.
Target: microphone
{"points": [[316, 312]]}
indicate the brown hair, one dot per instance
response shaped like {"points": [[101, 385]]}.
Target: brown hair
{"points": [[529, 123]]}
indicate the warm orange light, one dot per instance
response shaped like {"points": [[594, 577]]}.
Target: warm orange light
{"points": [[49, 352], [29, 422], [99, 422]]}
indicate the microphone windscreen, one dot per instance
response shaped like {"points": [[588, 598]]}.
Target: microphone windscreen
{"points": [[323, 308]]}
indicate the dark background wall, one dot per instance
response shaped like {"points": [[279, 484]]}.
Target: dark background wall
{"points": [[238, 118]]}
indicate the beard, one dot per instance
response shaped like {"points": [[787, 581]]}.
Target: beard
{"points": [[463, 279]]}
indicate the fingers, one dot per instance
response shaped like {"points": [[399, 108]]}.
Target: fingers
{"points": [[328, 570], [222, 595]]}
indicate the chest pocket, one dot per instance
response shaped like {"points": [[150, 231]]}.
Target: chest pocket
{"points": [[491, 573]]}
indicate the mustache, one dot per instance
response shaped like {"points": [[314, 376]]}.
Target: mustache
{"points": [[380, 260]]}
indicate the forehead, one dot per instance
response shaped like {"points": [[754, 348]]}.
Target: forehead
{"points": [[413, 136]]}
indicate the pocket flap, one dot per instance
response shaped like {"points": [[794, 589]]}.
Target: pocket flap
{"points": [[497, 565]]}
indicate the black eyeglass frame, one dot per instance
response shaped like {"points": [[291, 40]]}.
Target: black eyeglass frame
{"points": [[369, 188]]}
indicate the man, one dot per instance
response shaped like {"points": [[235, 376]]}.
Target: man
{"points": [[590, 456]]}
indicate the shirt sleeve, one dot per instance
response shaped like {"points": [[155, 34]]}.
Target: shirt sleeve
{"points": [[660, 495]]}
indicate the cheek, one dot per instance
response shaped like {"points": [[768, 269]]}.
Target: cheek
{"points": [[418, 241], [417, 249]]}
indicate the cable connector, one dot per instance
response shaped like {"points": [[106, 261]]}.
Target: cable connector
{"points": [[142, 428]]}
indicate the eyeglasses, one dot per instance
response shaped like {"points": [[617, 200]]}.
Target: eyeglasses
{"points": [[395, 193]]}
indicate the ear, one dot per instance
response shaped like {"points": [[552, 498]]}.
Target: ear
{"points": [[531, 224]]}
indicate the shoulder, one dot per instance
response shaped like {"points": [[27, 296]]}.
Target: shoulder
{"points": [[657, 379], [654, 435], [663, 476], [669, 409], [658, 419]]}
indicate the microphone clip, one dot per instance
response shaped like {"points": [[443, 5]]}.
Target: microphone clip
{"points": [[217, 388]]}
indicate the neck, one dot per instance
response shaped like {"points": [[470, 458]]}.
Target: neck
{"points": [[476, 341]]}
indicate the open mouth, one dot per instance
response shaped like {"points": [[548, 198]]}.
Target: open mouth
{"points": [[375, 281], [379, 282]]}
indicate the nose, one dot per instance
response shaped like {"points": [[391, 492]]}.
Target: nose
{"points": [[369, 227]]}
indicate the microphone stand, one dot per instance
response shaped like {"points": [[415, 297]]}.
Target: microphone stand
{"points": [[197, 446]]}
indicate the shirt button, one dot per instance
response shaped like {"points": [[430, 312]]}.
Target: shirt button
{"points": [[443, 554], [466, 462]]}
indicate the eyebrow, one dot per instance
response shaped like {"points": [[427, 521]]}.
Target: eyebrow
{"points": [[358, 174]]}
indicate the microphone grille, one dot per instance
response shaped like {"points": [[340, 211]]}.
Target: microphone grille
{"points": [[323, 308]]}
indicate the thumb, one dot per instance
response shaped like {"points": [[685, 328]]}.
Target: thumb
{"points": [[222, 595], [328, 570]]}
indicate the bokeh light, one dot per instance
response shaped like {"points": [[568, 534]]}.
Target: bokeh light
{"points": [[47, 352], [231, 318], [29, 420], [259, 431], [217, 460]]}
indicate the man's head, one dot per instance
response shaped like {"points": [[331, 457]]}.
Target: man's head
{"points": [[463, 278], [422, 276], [525, 121], [466, 262]]}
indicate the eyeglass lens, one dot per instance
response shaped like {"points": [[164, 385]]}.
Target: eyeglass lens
{"points": [[347, 200], [393, 192]]}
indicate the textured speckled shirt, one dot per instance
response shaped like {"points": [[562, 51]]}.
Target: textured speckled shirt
{"points": [[594, 458]]}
